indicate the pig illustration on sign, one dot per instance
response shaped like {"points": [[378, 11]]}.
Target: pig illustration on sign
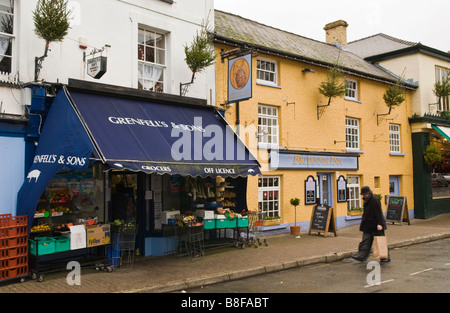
{"points": [[34, 174]]}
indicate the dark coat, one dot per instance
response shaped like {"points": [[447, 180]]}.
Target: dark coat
{"points": [[372, 215]]}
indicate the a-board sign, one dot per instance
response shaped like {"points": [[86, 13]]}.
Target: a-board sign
{"points": [[397, 210], [322, 220]]}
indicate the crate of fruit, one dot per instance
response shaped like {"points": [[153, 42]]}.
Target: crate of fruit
{"points": [[42, 245]]}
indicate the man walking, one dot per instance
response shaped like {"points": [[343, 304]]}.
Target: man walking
{"points": [[372, 224]]}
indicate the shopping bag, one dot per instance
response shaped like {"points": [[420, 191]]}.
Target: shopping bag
{"points": [[380, 247]]}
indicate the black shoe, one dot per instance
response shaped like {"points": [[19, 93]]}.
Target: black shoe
{"points": [[358, 258], [385, 260]]}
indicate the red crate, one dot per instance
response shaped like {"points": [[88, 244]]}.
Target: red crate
{"points": [[17, 241], [17, 251], [18, 231], [20, 261], [15, 221], [5, 220], [18, 271]]}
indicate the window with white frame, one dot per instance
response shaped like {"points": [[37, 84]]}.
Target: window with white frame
{"points": [[266, 72], [351, 89], [269, 196], [268, 125], [443, 75], [352, 133], [394, 138], [6, 35], [354, 197], [151, 60]]}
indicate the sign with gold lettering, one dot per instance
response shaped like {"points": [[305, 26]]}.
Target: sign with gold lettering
{"points": [[309, 160]]}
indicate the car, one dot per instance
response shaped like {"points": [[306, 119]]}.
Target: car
{"points": [[447, 177], [438, 180]]}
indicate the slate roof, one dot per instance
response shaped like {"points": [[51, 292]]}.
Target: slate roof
{"points": [[378, 44], [234, 29]]}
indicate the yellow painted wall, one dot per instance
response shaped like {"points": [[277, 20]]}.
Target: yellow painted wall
{"points": [[301, 130]]}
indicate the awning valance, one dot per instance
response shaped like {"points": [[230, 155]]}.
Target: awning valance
{"points": [[444, 131]]}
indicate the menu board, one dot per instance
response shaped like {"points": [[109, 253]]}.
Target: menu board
{"points": [[310, 190], [322, 220], [397, 210]]}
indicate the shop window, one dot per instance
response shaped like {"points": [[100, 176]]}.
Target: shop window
{"points": [[352, 133], [269, 196], [6, 35], [354, 197], [268, 126], [394, 138], [266, 72], [151, 60], [351, 89]]}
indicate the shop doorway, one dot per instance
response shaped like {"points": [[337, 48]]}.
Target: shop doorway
{"points": [[394, 186], [126, 201], [325, 188]]}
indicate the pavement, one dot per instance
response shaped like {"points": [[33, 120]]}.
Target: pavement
{"points": [[173, 273]]}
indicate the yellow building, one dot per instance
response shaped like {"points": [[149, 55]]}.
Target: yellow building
{"points": [[304, 145]]}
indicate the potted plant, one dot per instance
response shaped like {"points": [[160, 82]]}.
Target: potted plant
{"points": [[295, 230]]}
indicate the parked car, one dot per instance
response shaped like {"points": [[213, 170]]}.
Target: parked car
{"points": [[438, 180], [447, 177]]}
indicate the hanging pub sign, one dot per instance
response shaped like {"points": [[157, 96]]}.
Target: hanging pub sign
{"points": [[341, 189], [240, 78], [310, 190], [96, 67]]}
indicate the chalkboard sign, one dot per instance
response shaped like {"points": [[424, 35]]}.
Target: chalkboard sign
{"points": [[322, 220], [397, 210]]}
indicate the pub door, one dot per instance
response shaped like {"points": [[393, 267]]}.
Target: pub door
{"points": [[325, 184]]}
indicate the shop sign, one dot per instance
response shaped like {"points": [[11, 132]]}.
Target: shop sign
{"points": [[240, 78], [341, 189], [310, 190], [96, 67], [313, 161]]}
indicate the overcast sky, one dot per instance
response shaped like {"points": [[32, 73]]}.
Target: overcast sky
{"points": [[425, 21]]}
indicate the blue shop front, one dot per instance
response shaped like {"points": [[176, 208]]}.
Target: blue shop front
{"points": [[123, 157]]}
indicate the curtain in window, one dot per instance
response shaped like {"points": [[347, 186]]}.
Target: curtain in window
{"points": [[4, 44], [149, 75]]}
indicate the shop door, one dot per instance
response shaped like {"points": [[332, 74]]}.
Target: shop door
{"points": [[126, 200], [394, 186], [325, 188]]}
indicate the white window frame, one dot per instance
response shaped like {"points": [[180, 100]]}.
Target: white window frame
{"points": [[441, 74], [352, 134], [394, 138], [354, 188], [151, 74], [266, 72], [268, 126], [9, 37], [351, 89], [269, 192]]}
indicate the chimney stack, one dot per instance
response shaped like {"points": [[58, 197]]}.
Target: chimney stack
{"points": [[336, 32]]}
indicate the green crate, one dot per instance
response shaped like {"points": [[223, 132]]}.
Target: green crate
{"points": [[242, 221], [231, 222], [209, 224], [221, 223], [62, 243], [42, 245]]}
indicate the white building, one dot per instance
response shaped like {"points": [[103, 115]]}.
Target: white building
{"points": [[143, 41]]}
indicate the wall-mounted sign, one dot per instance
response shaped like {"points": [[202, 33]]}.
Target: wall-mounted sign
{"points": [[96, 67], [341, 189], [310, 190], [240, 78], [312, 161]]}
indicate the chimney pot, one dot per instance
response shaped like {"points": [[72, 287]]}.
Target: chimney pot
{"points": [[336, 32]]}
